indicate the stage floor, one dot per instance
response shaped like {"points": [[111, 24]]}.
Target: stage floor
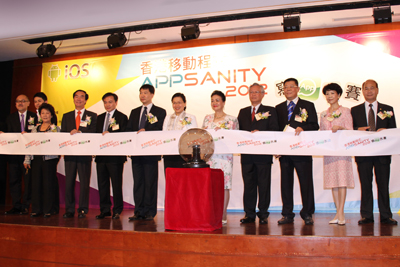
{"points": [[320, 228]]}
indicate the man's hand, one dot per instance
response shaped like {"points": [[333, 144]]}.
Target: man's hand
{"points": [[380, 129], [141, 130], [74, 131], [105, 132], [366, 128], [298, 131], [254, 131]]}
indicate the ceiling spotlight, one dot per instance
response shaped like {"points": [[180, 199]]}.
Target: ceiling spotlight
{"points": [[190, 32], [291, 23], [116, 40], [382, 14], [46, 50]]}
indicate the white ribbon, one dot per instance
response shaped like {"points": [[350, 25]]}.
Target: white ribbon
{"points": [[323, 143]]}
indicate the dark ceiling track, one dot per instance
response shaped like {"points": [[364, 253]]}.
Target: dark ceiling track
{"points": [[205, 20]]}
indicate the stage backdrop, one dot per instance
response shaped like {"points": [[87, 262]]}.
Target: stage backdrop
{"points": [[348, 60]]}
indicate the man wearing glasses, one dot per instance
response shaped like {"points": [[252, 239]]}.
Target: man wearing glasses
{"points": [[296, 115], [21, 121], [256, 169]]}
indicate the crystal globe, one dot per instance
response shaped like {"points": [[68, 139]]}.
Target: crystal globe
{"points": [[196, 147]]}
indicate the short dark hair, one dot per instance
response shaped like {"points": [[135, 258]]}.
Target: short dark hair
{"points": [[332, 87], [291, 80], [219, 93], [41, 95], [80, 90], [148, 87], [110, 94], [48, 107], [181, 96], [370, 80]]}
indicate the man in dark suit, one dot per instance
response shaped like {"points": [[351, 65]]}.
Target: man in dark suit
{"points": [[21, 121], [147, 117], [110, 167], [373, 116], [300, 115], [256, 169], [79, 120]]}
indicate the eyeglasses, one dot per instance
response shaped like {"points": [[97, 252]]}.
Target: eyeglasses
{"points": [[21, 101]]}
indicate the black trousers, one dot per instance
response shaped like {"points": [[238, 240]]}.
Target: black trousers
{"points": [[256, 176], [105, 172], [382, 174], [145, 186], [304, 171], [16, 172], [84, 170], [44, 185]]}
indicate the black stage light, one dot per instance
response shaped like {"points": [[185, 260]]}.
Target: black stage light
{"points": [[291, 23], [46, 50], [189, 32], [382, 14], [116, 40]]}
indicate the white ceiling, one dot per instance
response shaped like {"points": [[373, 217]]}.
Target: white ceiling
{"points": [[24, 19]]}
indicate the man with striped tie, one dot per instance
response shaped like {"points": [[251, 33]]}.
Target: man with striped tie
{"points": [[298, 115]]}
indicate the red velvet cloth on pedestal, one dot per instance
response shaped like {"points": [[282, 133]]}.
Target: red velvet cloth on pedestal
{"points": [[194, 199]]}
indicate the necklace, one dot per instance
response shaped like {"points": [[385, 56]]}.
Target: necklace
{"points": [[219, 117]]}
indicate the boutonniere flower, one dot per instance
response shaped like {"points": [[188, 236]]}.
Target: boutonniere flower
{"points": [[262, 116], [226, 125], [113, 122], [31, 120], [88, 120], [385, 114], [336, 114], [303, 114], [53, 128], [151, 118], [186, 121], [40, 120]]}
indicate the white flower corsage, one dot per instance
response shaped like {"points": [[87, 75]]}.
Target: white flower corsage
{"points": [[151, 118], [186, 121], [53, 128], [336, 114], [262, 116], [31, 120], [385, 114], [88, 120]]}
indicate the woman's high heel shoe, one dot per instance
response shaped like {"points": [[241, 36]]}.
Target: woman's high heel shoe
{"points": [[335, 221], [341, 222]]}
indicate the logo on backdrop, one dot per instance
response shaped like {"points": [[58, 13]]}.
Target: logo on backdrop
{"points": [[309, 88], [54, 73]]}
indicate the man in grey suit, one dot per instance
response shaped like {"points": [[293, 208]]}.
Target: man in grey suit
{"points": [[79, 120]]}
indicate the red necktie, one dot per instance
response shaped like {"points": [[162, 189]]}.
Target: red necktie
{"points": [[78, 120], [253, 114]]}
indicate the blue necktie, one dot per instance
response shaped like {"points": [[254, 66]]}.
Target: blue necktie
{"points": [[290, 110], [142, 123]]}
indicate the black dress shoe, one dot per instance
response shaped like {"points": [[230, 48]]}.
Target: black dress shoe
{"points": [[148, 218], [82, 214], [263, 220], [12, 211], [68, 215], [389, 221], [23, 211], [47, 215], [285, 220], [115, 216], [308, 220], [136, 217], [247, 220], [102, 215], [34, 215], [365, 221]]}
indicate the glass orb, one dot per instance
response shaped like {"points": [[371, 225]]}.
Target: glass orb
{"points": [[198, 138]]}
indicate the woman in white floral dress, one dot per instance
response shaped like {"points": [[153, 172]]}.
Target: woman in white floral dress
{"points": [[338, 171], [220, 120]]}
